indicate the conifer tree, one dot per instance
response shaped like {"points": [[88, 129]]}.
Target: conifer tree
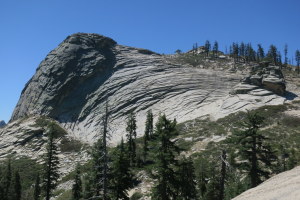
{"points": [[131, 136], [260, 52], [51, 163], [235, 51], [167, 184], [37, 188], [202, 175], [8, 180], [285, 55], [215, 49], [242, 50], [149, 125], [100, 159], [87, 186], [187, 180], [297, 58], [1, 185], [272, 54], [223, 175], [207, 47], [145, 149], [148, 133], [213, 183], [253, 147], [122, 179], [77, 186], [18, 187]]}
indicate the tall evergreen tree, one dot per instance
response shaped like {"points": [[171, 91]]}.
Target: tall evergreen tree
{"points": [[105, 155], [285, 55], [213, 183], [122, 178], [18, 187], [148, 133], [37, 188], [187, 180], [1, 185], [242, 50], [149, 125], [8, 180], [272, 54], [167, 185], [253, 147], [95, 179], [131, 136], [260, 52], [235, 51], [297, 58], [51, 163], [223, 175], [215, 49], [100, 173], [77, 186], [202, 175], [207, 47]]}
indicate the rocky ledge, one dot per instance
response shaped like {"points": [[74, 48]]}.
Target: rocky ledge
{"points": [[263, 76]]}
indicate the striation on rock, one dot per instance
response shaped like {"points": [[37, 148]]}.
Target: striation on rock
{"points": [[74, 81]]}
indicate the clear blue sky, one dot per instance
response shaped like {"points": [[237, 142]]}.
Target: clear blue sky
{"points": [[31, 29]]}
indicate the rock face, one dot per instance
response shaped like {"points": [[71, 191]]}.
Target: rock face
{"points": [[284, 186], [2, 123], [267, 77], [75, 80]]}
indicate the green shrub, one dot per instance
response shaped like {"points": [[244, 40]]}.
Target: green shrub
{"points": [[136, 196], [70, 145]]}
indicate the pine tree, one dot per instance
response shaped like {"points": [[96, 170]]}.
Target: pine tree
{"points": [[285, 55], [88, 189], [145, 149], [105, 155], [242, 50], [37, 188], [272, 54], [223, 175], [149, 125], [8, 180], [18, 187], [1, 185], [260, 52], [297, 58], [167, 184], [51, 163], [202, 175], [187, 180], [131, 136], [253, 147], [235, 51], [207, 47], [215, 49], [213, 183], [148, 134], [77, 186], [100, 160], [122, 179]]}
